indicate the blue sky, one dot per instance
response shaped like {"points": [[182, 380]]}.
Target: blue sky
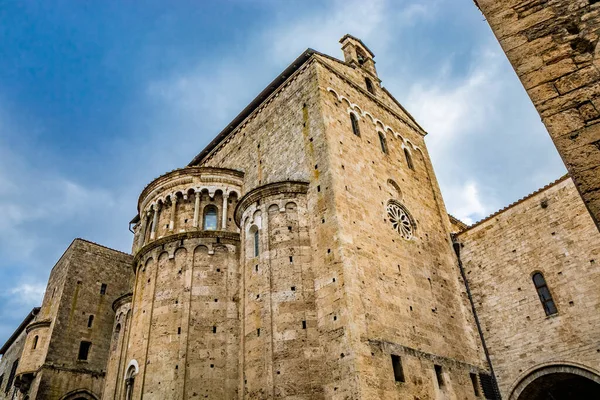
{"points": [[98, 98]]}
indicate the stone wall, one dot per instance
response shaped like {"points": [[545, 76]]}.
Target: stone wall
{"points": [[11, 356], [401, 297], [549, 232], [374, 293], [553, 47], [77, 307]]}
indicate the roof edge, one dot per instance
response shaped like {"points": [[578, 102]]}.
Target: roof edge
{"points": [[19, 329], [516, 203], [257, 101]]}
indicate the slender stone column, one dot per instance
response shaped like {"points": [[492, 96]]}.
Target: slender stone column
{"points": [[197, 195], [173, 209], [224, 210], [154, 221], [142, 232]]}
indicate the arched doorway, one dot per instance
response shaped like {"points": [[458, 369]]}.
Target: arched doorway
{"points": [[558, 382]]}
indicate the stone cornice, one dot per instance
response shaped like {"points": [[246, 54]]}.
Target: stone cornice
{"points": [[233, 237], [38, 324], [124, 299], [268, 190]]}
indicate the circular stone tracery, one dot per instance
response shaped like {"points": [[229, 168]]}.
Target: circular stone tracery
{"points": [[400, 219]]}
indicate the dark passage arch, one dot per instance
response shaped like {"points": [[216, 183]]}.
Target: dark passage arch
{"points": [[558, 382]]}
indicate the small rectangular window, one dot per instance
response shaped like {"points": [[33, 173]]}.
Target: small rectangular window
{"points": [[11, 377], [475, 384], [90, 321], [84, 350], [439, 376], [398, 371], [103, 288]]}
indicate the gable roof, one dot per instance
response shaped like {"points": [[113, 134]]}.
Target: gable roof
{"points": [[269, 90]]}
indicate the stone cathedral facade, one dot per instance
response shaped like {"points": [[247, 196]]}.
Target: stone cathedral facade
{"points": [[306, 253]]}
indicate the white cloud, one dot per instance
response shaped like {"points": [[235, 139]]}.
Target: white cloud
{"points": [[465, 202], [28, 294]]}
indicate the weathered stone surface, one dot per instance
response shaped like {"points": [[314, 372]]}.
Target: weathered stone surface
{"points": [[564, 35], [550, 232]]}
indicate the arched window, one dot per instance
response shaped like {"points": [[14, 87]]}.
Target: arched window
{"points": [[210, 218], [90, 321], [369, 86], [35, 342], [408, 159], [544, 293], [129, 382], [256, 244], [383, 143], [354, 121], [115, 339], [360, 56]]}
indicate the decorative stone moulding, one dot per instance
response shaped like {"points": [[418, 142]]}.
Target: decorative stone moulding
{"points": [[360, 112], [37, 325], [271, 189], [189, 180], [124, 299]]}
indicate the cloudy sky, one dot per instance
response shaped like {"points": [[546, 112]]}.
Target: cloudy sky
{"points": [[98, 98]]}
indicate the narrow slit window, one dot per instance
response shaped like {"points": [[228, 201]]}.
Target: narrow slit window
{"points": [[398, 371], [84, 350], [90, 321], [11, 377], [35, 342], [256, 244], [369, 86], [439, 375], [354, 122], [409, 161], [383, 143], [103, 288], [210, 218], [544, 294]]}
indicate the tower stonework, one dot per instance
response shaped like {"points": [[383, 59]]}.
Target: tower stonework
{"points": [[553, 47], [306, 253], [333, 276]]}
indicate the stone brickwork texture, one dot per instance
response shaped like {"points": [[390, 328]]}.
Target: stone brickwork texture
{"points": [[553, 47], [306, 253], [550, 232]]}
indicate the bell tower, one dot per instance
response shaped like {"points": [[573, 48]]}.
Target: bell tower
{"points": [[356, 53]]}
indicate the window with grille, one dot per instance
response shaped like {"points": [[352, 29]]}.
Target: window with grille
{"points": [[544, 294]]}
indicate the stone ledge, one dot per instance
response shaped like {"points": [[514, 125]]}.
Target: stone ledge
{"points": [[123, 299], [38, 324]]}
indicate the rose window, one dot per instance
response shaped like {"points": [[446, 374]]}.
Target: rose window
{"points": [[400, 220]]}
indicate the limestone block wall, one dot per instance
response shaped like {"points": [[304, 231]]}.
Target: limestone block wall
{"points": [[11, 355], [76, 308], [183, 340], [280, 339], [115, 374], [403, 297], [553, 47], [283, 141], [549, 232], [180, 332]]}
